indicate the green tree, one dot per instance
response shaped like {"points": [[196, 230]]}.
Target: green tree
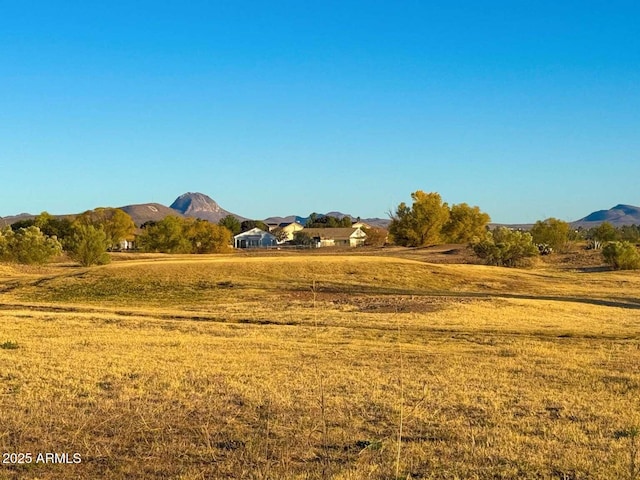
{"points": [[206, 237], [58, 227], [630, 233], [552, 232], [506, 248], [605, 232], [302, 238], [465, 224], [30, 246], [621, 256], [247, 225], [231, 223], [24, 223], [328, 221], [6, 235], [421, 224], [184, 235], [116, 224], [166, 235], [88, 245]]}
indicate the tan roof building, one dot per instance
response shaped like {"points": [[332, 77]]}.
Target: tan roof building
{"points": [[330, 237]]}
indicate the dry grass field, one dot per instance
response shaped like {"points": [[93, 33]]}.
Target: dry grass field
{"points": [[311, 366]]}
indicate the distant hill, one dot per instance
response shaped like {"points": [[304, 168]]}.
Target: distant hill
{"points": [[6, 221], [617, 216], [199, 205], [146, 212]]}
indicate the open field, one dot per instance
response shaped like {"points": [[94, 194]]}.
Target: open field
{"points": [[320, 366]]}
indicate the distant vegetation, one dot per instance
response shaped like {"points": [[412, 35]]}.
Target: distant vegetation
{"points": [[88, 237], [327, 221], [430, 221], [184, 235]]}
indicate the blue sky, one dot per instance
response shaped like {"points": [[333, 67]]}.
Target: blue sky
{"points": [[527, 109]]}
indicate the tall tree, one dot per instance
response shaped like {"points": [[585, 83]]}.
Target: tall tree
{"points": [[165, 236], [206, 237], [116, 224], [552, 232], [605, 232], [231, 223], [88, 245], [465, 224], [422, 223]]}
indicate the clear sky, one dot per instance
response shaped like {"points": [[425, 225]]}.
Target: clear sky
{"points": [[529, 109]]}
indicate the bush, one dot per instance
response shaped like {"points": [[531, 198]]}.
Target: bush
{"points": [[505, 248], [621, 256], [551, 232], [88, 245], [28, 245]]}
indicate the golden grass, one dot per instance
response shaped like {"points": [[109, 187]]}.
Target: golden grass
{"points": [[207, 367]]}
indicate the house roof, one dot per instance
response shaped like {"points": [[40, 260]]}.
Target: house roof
{"points": [[343, 233]]}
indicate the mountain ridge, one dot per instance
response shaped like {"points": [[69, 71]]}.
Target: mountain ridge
{"points": [[619, 215]]}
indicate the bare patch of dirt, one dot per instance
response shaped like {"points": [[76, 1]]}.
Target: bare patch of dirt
{"points": [[384, 304], [577, 258]]}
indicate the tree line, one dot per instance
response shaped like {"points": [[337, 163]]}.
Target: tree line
{"points": [[89, 237], [430, 221]]}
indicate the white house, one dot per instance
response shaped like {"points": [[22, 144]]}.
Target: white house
{"points": [[254, 238]]}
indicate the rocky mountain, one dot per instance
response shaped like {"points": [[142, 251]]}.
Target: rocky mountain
{"points": [[617, 216], [199, 205]]}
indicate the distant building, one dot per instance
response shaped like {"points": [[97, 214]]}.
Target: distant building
{"points": [[336, 237], [254, 238], [289, 229]]}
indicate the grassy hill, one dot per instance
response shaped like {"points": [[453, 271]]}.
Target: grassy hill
{"points": [[319, 366]]}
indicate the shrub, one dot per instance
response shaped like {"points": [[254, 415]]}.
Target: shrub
{"points": [[551, 232], [621, 256], [28, 245], [88, 245], [505, 248]]}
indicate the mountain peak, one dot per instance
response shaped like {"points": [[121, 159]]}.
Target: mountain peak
{"points": [[199, 205], [195, 202], [619, 215]]}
